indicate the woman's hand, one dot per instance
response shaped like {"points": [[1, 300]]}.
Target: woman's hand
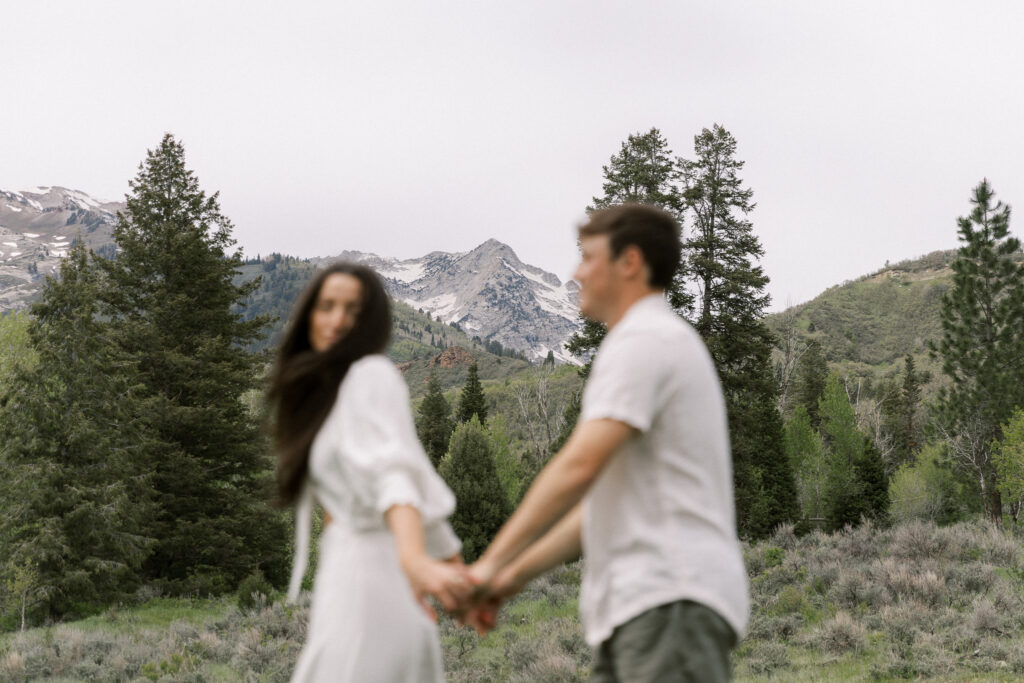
{"points": [[448, 582]]}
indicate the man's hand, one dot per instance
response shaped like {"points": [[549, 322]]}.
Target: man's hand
{"points": [[489, 595]]}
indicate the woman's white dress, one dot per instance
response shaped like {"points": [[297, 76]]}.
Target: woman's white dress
{"points": [[365, 624]]}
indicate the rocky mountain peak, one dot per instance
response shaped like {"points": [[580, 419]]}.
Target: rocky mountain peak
{"points": [[489, 292], [37, 227]]}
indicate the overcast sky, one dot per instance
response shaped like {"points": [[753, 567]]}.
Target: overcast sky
{"points": [[407, 127]]}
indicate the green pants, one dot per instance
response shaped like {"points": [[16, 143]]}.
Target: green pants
{"points": [[680, 641]]}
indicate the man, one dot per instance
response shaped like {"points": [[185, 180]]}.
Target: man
{"points": [[644, 484]]}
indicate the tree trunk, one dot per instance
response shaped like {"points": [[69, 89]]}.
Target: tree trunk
{"points": [[995, 505]]}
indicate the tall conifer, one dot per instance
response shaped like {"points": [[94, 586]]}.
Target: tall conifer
{"points": [[471, 399], [74, 497], [982, 346], [722, 253], [171, 299], [433, 423], [811, 373], [642, 172]]}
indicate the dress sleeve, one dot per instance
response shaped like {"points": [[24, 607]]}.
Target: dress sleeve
{"points": [[381, 449]]}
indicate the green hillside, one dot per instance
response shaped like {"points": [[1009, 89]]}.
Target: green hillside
{"points": [[867, 326]]}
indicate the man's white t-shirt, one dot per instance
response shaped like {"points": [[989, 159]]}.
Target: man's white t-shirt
{"points": [[659, 522]]}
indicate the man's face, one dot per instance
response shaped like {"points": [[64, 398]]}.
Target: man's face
{"points": [[597, 276]]}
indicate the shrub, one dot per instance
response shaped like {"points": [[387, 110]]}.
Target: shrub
{"points": [[910, 582], [254, 591], [985, 618], [764, 658], [773, 556], [854, 587], [791, 600], [784, 536], [840, 634]]}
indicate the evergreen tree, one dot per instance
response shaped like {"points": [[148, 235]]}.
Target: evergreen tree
{"points": [[908, 428], [481, 506], [172, 300], [873, 482], [730, 309], [642, 172], [74, 503], [433, 424], [982, 348], [857, 486], [471, 400], [811, 373], [844, 446]]}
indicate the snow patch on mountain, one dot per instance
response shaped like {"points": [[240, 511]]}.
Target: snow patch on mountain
{"points": [[489, 293]]}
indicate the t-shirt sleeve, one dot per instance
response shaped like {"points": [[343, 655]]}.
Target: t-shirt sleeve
{"points": [[626, 382]]}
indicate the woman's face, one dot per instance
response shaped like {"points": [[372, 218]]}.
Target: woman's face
{"points": [[337, 307]]}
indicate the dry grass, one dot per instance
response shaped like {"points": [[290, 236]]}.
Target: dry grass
{"points": [[916, 601]]}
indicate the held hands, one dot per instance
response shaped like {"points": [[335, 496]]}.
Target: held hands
{"points": [[473, 595], [448, 582], [492, 588]]}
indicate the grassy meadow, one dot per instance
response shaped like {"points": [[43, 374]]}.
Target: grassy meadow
{"points": [[912, 602]]}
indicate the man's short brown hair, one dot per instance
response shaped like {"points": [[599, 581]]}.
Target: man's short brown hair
{"points": [[650, 229]]}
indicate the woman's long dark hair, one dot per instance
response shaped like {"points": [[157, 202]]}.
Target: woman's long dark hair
{"points": [[304, 384]]}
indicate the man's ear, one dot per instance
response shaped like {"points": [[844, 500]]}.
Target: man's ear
{"points": [[633, 262]]}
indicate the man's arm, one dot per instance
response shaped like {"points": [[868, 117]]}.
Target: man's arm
{"points": [[557, 489], [558, 546], [561, 544]]}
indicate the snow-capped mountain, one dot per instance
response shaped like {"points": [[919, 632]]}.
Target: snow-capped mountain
{"points": [[37, 227], [488, 292]]}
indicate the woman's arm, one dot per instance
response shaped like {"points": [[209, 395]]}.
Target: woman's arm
{"points": [[445, 580]]}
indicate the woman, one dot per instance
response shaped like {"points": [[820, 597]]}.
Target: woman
{"points": [[345, 437]]}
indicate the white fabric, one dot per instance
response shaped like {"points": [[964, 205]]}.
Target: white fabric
{"points": [[365, 624], [659, 522]]}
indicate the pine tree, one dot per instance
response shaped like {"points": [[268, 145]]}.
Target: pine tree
{"points": [[433, 424], [481, 506], [811, 373], [982, 348], [471, 400], [722, 255], [908, 429], [873, 482], [74, 501], [172, 298], [642, 172]]}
